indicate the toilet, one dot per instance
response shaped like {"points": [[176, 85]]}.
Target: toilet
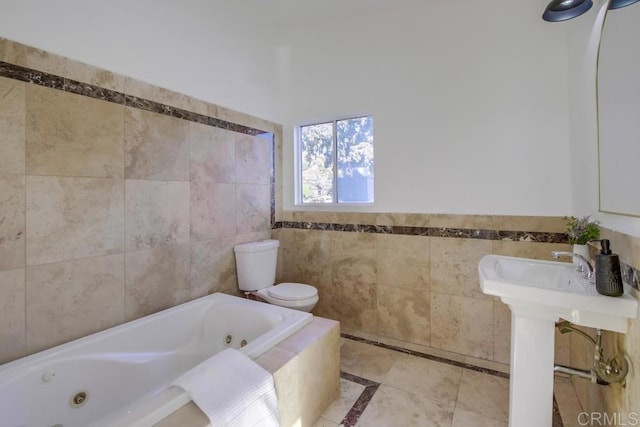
{"points": [[256, 268]]}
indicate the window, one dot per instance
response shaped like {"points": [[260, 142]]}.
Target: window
{"points": [[336, 161]]}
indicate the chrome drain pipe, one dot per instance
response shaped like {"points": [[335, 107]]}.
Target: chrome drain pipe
{"points": [[589, 375], [605, 371]]}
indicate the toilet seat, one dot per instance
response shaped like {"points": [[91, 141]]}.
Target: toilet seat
{"points": [[295, 295], [292, 291]]}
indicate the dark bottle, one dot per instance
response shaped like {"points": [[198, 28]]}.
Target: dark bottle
{"points": [[608, 276]]}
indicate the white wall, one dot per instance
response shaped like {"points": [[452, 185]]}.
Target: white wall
{"points": [[470, 103], [195, 47]]}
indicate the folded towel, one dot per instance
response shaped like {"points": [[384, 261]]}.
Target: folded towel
{"points": [[232, 390]]}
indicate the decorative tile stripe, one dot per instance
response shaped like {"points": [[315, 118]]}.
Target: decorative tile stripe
{"points": [[427, 356], [462, 233], [630, 275], [325, 226], [64, 84], [352, 417], [29, 75], [190, 116]]}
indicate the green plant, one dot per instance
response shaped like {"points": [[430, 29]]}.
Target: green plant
{"points": [[581, 230]]}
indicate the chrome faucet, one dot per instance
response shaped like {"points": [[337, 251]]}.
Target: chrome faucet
{"points": [[587, 272]]}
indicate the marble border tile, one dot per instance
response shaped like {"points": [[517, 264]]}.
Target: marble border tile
{"points": [[41, 78], [459, 233], [370, 388]]}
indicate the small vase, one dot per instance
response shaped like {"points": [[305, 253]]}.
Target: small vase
{"points": [[581, 250]]}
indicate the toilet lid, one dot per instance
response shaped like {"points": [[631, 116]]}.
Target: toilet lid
{"points": [[292, 291]]}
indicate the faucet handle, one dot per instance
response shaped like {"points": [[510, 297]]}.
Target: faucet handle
{"points": [[587, 273]]}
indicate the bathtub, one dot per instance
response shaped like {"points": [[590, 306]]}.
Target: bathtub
{"points": [[122, 376]]}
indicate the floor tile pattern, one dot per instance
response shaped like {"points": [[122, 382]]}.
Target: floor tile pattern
{"points": [[412, 388]]}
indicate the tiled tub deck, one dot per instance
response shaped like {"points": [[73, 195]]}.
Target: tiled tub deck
{"points": [[306, 371]]}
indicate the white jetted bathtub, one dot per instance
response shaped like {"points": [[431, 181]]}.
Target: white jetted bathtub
{"points": [[121, 376]]}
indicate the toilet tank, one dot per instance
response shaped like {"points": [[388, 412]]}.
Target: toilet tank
{"points": [[256, 264]]}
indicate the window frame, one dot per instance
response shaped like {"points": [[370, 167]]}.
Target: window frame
{"points": [[298, 200]]}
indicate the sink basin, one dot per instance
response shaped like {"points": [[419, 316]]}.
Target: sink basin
{"points": [[554, 288]]}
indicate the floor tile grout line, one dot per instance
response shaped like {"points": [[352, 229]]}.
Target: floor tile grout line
{"points": [[427, 356]]}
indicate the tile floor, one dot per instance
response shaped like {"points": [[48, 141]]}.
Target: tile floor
{"points": [[382, 385]]}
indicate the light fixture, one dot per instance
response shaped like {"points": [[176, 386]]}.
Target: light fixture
{"points": [[617, 4], [561, 10]]}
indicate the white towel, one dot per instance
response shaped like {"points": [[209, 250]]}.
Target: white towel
{"points": [[232, 390]]}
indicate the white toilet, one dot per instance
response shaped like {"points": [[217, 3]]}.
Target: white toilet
{"points": [[256, 268]]}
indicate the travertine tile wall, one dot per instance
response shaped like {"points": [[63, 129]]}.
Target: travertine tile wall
{"points": [[417, 289], [621, 402], [110, 212]]}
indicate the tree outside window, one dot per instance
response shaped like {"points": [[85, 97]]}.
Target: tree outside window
{"points": [[347, 143]]}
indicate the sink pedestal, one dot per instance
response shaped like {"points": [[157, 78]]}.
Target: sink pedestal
{"points": [[532, 361], [539, 293]]}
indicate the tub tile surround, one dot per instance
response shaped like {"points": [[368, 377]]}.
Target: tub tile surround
{"points": [[306, 373], [156, 146], [12, 227], [89, 291], [119, 198], [72, 135], [72, 218], [12, 315]]}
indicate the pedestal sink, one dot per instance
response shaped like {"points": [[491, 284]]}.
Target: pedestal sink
{"points": [[539, 293]]}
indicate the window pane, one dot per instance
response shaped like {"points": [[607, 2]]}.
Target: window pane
{"points": [[355, 160], [316, 148]]}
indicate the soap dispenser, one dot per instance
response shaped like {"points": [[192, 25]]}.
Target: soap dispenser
{"points": [[608, 276]]}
